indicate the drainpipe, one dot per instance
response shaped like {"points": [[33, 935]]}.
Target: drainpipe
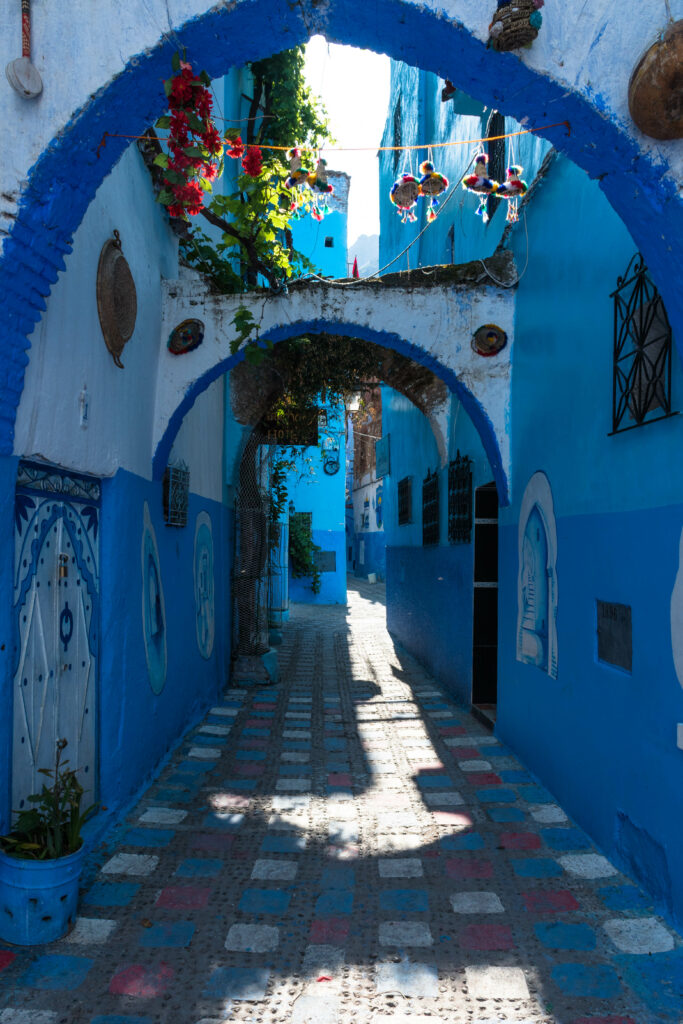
{"points": [[22, 75]]}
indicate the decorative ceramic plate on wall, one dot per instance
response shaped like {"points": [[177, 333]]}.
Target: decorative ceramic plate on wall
{"points": [[489, 339], [117, 302]]}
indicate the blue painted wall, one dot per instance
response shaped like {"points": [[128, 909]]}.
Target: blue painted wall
{"points": [[429, 588], [618, 504], [310, 489], [457, 235], [137, 726]]}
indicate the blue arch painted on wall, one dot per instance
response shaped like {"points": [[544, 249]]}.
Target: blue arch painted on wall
{"points": [[386, 339], [65, 178]]}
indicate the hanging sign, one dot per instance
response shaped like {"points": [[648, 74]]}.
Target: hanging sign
{"points": [[290, 426]]}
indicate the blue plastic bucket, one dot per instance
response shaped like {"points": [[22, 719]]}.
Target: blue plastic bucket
{"points": [[38, 898]]}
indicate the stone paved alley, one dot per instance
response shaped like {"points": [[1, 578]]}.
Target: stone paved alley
{"points": [[349, 846]]}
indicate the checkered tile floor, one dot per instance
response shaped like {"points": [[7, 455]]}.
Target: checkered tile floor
{"points": [[349, 846]]}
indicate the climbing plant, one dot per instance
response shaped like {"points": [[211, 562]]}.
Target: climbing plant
{"points": [[256, 244], [302, 549]]}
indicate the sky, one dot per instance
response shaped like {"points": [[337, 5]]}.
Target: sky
{"points": [[354, 86]]}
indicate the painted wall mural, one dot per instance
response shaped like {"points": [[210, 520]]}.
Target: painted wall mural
{"points": [[56, 608], [153, 607], [537, 581], [204, 592], [677, 616]]}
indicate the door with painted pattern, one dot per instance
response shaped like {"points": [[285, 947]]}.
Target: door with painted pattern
{"points": [[56, 602]]}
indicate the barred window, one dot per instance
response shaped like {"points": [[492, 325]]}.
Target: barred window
{"points": [[175, 494], [460, 500], [405, 501], [430, 509]]}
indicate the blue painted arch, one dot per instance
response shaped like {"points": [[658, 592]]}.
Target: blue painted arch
{"points": [[385, 339], [63, 181]]}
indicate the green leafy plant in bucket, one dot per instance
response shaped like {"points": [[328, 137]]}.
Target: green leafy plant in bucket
{"points": [[52, 827]]}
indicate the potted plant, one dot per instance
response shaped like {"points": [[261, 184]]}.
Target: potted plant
{"points": [[41, 860]]}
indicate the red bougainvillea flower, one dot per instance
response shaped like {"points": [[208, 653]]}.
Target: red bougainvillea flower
{"points": [[193, 142], [252, 161], [236, 149]]}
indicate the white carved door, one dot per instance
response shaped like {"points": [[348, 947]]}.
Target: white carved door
{"points": [[56, 603]]}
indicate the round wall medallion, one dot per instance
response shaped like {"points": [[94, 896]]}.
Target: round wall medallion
{"points": [[187, 336], [655, 92], [117, 302], [489, 340]]}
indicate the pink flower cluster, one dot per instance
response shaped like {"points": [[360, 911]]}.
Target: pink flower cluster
{"points": [[194, 142]]}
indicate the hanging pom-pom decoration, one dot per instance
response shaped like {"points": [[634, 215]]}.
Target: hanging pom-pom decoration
{"points": [[298, 174], [321, 188], [297, 181], [404, 195], [512, 188], [481, 185], [432, 184]]}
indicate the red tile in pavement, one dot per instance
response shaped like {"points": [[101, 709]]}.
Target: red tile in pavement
{"points": [[255, 723], [466, 753], [429, 767], [143, 982], [483, 779], [210, 841], [235, 801], [452, 730], [6, 958], [183, 897], [520, 840], [339, 779], [264, 706], [486, 936], [250, 768], [543, 901], [468, 867], [329, 931]]}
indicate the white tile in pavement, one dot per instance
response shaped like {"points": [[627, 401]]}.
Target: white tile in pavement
{"points": [[476, 903], [487, 982], [162, 816], [405, 933], [275, 870], [252, 938], [640, 935], [130, 864], [587, 865]]}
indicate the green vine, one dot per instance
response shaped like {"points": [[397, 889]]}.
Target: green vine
{"points": [[302, 550]]}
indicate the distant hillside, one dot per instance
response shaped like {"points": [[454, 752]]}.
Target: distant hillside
{"points": [[366, 250]]}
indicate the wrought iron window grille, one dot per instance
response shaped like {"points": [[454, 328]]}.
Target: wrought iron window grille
{"points": [[430, 508], [641, 379], [175, 494], [460, 500], [405, 501]]}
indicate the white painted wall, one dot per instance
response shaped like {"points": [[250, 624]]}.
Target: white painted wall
{"points": [[68, 355], [200, 442], [79, 47], [439, 320]]}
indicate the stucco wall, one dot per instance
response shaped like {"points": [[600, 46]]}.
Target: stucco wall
{"points": [[618, 508]]}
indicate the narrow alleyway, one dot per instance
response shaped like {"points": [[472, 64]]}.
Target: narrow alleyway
{"points": [[349, 846]]}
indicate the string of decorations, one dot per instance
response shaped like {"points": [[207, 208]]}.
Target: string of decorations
{"points": [[196, 152], [481, 185]]}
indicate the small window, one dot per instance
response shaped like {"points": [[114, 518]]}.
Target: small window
{"points": [[430, 509], [615, 645], [405, 501], [175, 494], [496, 151], [460, 500], [641, 390], [329, 242]]}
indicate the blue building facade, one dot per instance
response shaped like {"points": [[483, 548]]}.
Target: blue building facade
{"points": [[582, 644]]}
